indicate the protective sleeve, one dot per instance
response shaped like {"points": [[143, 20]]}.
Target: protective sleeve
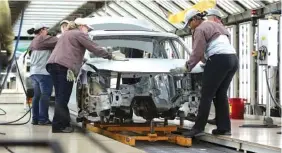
{"points": [[199, 47], [85, 41]]}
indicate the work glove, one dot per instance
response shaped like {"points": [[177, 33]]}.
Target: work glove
{"points": [[179, 70], [70, 76], [118, 56], [202, 65]]}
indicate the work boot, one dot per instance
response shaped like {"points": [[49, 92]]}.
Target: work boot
{"points": [[193, 133], [191, 117], [212, 121], [220, 132], [34, 122], [63, 130], [48, 122]]}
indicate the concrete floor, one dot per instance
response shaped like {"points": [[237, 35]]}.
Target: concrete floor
{"points": [[75, 142], [70, 143]]}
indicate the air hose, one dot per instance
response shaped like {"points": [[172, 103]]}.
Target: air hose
{"points": [[8, 72], [75, 125]]}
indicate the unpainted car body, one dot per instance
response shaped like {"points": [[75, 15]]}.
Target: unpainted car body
{"points": [[143, 85]]}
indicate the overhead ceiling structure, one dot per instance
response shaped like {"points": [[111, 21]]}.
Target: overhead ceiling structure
{"points": [[156, 11], [52, 12], [16, 8]]}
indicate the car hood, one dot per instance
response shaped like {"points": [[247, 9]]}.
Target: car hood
{"points": [[139, 65]]}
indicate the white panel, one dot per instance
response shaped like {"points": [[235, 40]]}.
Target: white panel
{"points": [[280, 63], [232, 91], [246, 80]]}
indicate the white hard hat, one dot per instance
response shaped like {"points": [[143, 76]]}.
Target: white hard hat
{"points": [[82, 21], [64, 21], [189, 15], [214, 12], [38, 26]]}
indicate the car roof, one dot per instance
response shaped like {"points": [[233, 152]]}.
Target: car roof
{"points": [[121, 26], [132, 33]]}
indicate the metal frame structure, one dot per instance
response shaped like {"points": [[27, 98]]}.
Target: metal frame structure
{"points": [[240, 145], [246, 63]]}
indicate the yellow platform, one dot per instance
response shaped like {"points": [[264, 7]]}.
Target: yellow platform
{"points": [[129, 134]]}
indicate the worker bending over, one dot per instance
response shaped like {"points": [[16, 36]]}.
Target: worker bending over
{"points": [[214, 15], [6, 32], [211, 41], [65, 62], [40, 48]]}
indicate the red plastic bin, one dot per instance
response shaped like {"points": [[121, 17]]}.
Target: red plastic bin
{"points": [[236, 108]]}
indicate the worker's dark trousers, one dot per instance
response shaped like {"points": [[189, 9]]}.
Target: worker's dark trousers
{"points": [[63, 89], [218, 73]]}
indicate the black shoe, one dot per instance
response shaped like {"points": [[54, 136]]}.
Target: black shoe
{"points": [[63, 130], [191, 118], [45, 123], [220, 132], [34, 122], [193, 133], [212, 122]]}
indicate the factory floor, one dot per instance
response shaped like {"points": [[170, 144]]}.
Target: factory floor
{"points": [[76, 143], [70, 143]]}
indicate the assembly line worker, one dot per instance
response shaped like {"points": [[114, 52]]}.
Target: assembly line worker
{"points": [[214, 15], [211, 41], [6, 30], [41, 48], [68, 57], [63, 27]]}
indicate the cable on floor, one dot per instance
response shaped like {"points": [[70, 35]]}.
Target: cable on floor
{"points": [[8, 72], [8, 149], [4, 112]]}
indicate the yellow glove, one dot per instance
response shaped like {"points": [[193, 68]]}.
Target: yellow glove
{"points": [[70, 76]]}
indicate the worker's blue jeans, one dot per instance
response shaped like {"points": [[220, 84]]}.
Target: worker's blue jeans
{"points": [[42, 85], [63, 89]]}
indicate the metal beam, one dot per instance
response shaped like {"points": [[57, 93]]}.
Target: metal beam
{"points": [[246, 16], [157, 14], [108, 7], [145, 16]]}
